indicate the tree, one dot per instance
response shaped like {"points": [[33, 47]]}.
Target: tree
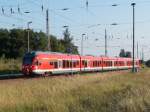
{"points": [[128, 54], [67, 42], [39, 41], [16, 48], [14, 42], [148, 63], [5, 43], [122, 53]]}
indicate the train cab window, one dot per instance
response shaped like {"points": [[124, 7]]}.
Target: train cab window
{"points": [[27, 60], [38, 63]]}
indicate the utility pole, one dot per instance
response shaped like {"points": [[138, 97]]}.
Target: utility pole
{"points": [[133, 59], [82, 44], [137, 50], [142, 54], [105, 42], [47, 30], [28, 28]]}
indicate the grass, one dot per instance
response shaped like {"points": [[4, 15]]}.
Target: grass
{"points": [[8, 66], [108, 92]]}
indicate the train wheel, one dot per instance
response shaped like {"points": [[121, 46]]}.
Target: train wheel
{"points": [[45, 74]]}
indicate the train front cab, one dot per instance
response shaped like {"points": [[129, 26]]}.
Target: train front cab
{"points": [[59, 64], [29, 64]]}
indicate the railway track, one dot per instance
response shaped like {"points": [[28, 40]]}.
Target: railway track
{"points": [[21, 76], [11, 76]]}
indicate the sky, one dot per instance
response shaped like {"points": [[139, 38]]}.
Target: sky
{"points": [[80, 19]]}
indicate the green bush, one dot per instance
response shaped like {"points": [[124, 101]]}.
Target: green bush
{"points": [[9, 65]]}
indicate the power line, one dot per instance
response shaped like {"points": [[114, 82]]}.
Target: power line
{"points": [[67, 18]]}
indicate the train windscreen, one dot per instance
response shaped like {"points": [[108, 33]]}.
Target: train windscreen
{"points": [[27, 60]]}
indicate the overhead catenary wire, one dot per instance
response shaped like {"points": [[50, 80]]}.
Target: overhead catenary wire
{"points": [[53, 11], [67, 17], [70, 19], [21, 14]]}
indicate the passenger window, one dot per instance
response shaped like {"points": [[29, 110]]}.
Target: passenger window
{"points": [[77, 62], [51, 63], [55, 65], [67, 64], [64, 65]]}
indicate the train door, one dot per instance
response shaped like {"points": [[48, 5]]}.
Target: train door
{"points": [[113, 64], [59, 64], [55, 64], [85, 62]]}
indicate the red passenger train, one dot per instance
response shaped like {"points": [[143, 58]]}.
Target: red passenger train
{"points": [[48, 63]]}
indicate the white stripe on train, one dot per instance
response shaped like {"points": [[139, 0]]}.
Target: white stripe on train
{"points": [[74, 70]]}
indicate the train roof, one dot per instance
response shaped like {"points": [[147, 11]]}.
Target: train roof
{"points": [[54, 55], [34, 53], [65, 55]]}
